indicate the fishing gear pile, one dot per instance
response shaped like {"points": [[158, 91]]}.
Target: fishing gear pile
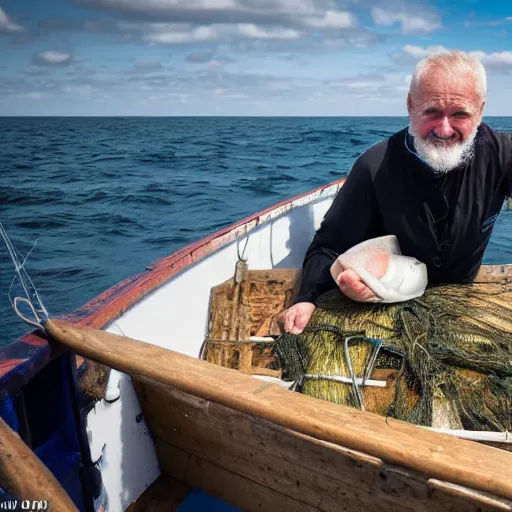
{"points": [[442, 360]]}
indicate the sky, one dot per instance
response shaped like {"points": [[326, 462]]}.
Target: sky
{"points": [[238, 57]]}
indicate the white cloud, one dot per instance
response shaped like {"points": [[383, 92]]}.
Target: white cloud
{"points": [[370, 86], [219, 62], [278, 85], [52, 58], [493, 59], [189, 21], [493, 23], [352, 39], [146, 65], [199, 57], [410, 23], [33, 95], [255, 32], [358, 83], [6, 25], [333, 19], [223, 11], [183, 33], [411, 54], [81, 91], [499, 62], [216, 64], [180, 35]]}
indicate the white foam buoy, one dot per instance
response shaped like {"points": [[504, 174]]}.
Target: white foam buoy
{"points": [[112, 393]]}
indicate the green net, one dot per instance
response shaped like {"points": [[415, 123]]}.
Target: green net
{"points": [[442, 360]]}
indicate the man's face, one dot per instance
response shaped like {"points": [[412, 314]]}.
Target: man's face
{"points": [[444, 117]]}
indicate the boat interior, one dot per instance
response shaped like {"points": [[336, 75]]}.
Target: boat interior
{"points": [[181, 397], [248, 461]]}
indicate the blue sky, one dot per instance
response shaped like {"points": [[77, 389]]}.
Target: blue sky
{"points": [[238, 57]]}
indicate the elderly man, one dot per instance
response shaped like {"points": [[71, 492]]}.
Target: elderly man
{"points": [[437, 185]]}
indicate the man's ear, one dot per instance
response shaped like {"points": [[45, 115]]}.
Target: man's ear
{"points": [[481, 113], [409, 103]]}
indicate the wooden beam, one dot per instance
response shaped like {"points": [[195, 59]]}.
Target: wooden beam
{"points": [[395, 442], [24, 476]]}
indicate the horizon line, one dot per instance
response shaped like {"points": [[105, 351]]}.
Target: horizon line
{"points": [[214, 116]]}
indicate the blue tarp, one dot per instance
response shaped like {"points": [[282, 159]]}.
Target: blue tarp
{"points": [[198, 501]]}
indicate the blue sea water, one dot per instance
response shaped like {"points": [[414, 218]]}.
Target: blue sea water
{"points": [[104, 197]]}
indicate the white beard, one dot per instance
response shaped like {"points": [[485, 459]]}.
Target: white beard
{"points": [[441, 158]]}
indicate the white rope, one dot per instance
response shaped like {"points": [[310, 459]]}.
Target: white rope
{"points": [[31, 299], [37, 323]]}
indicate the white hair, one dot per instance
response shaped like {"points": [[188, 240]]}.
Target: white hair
{"points": [[454, 63]]}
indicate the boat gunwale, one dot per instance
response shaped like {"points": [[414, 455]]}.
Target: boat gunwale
{"points": [[27, 355], [434, 455]]}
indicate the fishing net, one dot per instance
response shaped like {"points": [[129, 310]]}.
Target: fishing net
{"points": [[442, 360]]}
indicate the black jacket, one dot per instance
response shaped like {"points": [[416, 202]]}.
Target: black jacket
{"points": [[444, 221]]}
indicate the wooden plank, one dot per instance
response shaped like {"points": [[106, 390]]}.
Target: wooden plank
{"points": [[456, 491], [165, 494], [494, 274], [223, 484], [501, 446], [24, 476], [395, 442], [317, 473], [254, 358]]}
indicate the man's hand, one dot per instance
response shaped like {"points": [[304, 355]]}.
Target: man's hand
{"points": [[352, 286], [297, 317]]}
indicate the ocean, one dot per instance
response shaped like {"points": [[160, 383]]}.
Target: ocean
{"points": [[104, 197]]}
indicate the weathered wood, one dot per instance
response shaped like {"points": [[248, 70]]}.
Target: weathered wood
{"points": [[317, 473], [235, 329], [458, 492], [247, 305], [223, 484], [256, 297], [494, 274], [254, 358], [395, 442], [165, 494], [501, 446], [24, 476]]}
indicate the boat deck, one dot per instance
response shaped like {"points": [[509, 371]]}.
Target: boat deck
{"points": [[167, 494]]}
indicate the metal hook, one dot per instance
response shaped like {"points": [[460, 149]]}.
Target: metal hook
{"points": [[355, 386]]}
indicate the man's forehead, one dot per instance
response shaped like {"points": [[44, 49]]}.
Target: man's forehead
{"points": [[437, 84]]}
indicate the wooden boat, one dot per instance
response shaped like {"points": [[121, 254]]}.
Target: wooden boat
{"points": [[173, 390]]}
